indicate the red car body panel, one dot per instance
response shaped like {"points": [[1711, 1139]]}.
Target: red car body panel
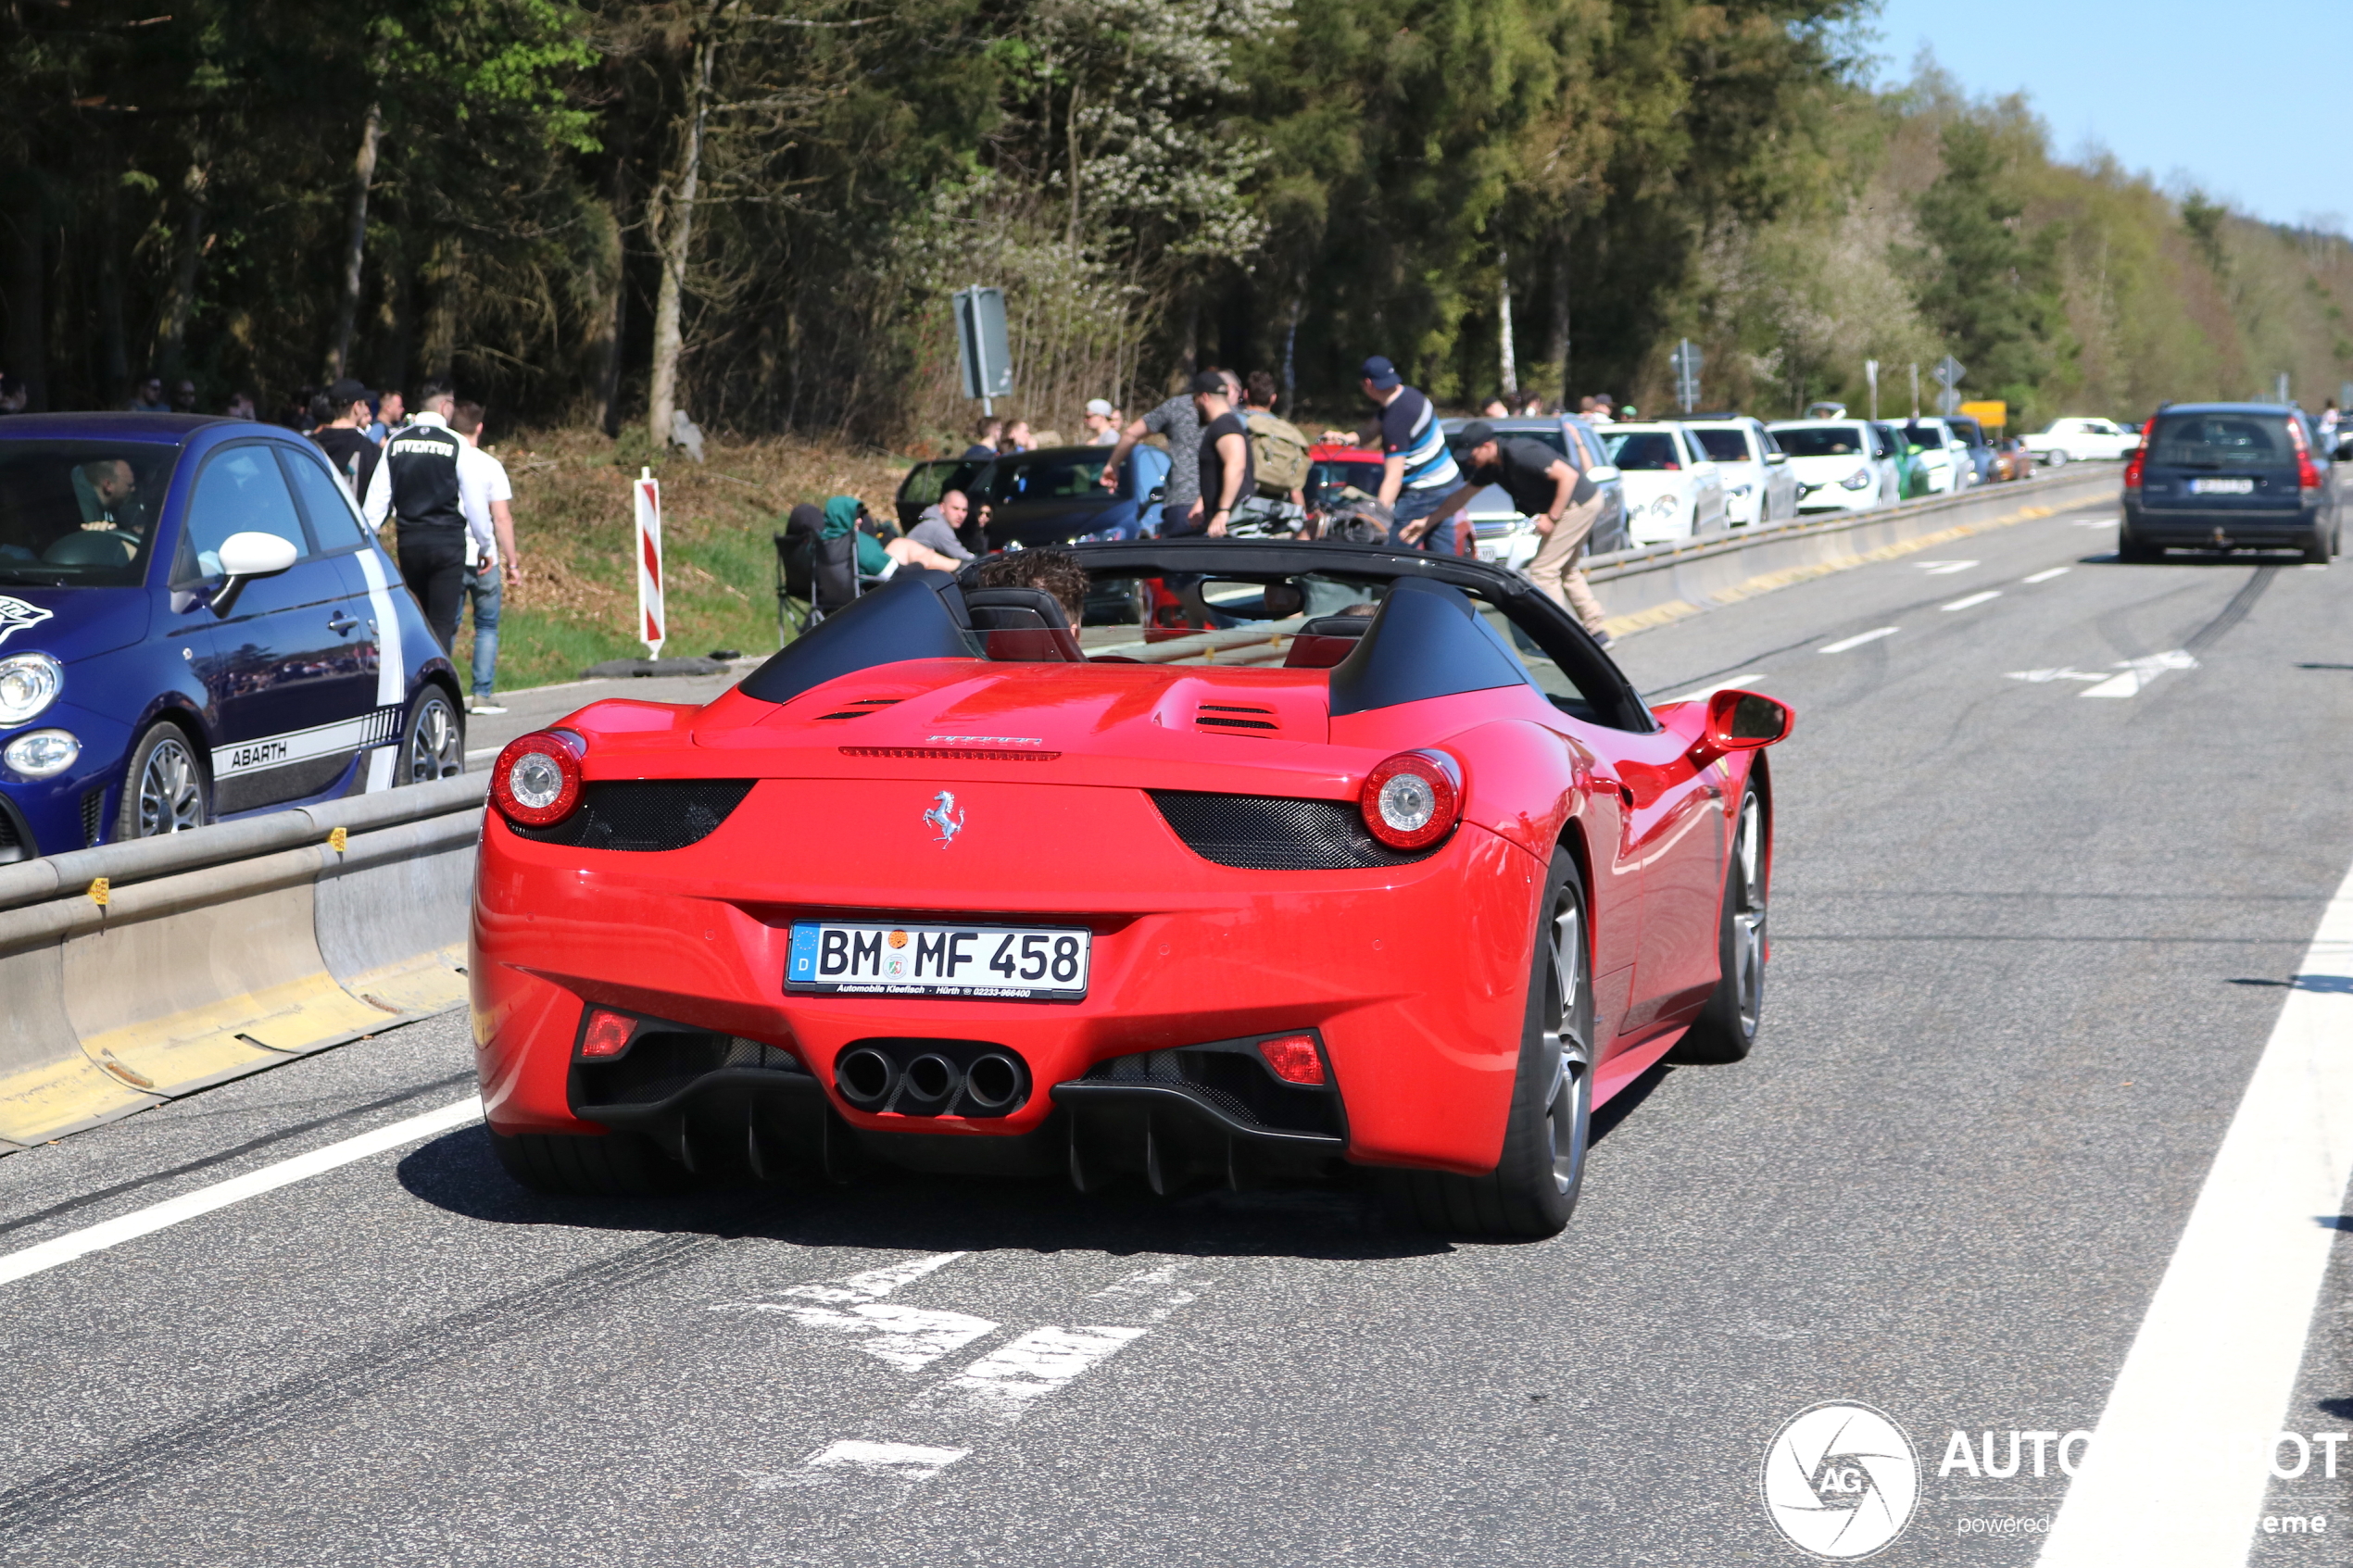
{"points": [[1412, 976]]}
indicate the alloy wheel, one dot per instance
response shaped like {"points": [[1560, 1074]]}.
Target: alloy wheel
{"points": [[171, 790], [436, 743], [1748, 912], [1569, 1102]]}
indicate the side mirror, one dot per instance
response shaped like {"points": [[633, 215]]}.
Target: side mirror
{"points": [[1738, 720], [244, 556], [1775, 459], [1602, 473], [1914, 451]]}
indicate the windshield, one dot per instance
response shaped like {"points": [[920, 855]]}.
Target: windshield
{"points": [[1924, 435], [2220, 440], [1651, 449], [1723, 446], [80, 513], [1820, 441]]}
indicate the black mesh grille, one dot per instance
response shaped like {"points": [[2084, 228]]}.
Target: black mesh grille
{"points": [[645, 814], [1274, 833], [12, 844], [93, 815], [1234, 1082]]}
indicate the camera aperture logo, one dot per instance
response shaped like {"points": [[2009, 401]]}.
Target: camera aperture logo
{"points": [[1840, 1480]]}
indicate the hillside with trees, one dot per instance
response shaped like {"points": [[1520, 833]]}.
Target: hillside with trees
{"points": [[593, 211]]}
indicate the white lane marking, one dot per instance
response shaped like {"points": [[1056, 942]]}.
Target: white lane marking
{"points": [[2097, 521], [2041, 676], [2139, 672], [1973, 599], [1004, 1384], [1857, 640], [1158, 1287], [1746, 679], [236, 1189], [2176, 1476], [1943, 568], [908, 1462], [2045, 576], [907, 1337]]}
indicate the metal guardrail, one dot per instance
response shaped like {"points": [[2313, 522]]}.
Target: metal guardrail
{"points": [[135, 972]]}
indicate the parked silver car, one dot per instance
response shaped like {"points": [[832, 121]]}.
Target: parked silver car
{"points": [[1759, 486]]}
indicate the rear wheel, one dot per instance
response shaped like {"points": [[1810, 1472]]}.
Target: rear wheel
{"points": [[1725, 1028], [616, 1165], [1533, 1188], [2130, 548], [163, 790], [2316, 548], [2055, 458]]}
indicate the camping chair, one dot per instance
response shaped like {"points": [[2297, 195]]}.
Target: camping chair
{"points": [[815, 576]]}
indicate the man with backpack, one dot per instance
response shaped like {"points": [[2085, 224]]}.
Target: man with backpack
{"points": [[1278, 448]]}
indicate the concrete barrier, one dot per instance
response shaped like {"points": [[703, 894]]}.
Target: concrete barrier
{"points": [[1657, 583], [135, 972]]}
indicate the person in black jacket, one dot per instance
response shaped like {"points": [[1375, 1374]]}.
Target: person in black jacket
{"points": [[416, 481], [342, 435]]}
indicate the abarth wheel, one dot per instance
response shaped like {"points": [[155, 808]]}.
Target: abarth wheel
{"points": [[435, 745], [1725, 1028], [1533, 1188], [164, 787]]}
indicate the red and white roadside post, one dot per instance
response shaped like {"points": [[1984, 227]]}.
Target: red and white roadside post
{"points": [[652, 626]]}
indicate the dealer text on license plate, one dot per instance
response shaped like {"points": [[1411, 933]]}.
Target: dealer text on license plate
{"points": [[2221, 487], [1015, 962]]}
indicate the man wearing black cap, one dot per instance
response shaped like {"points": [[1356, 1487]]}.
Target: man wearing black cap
{"points": [[1551, 490], [343, 438], [416, 481], [1417, 469], [1227, 471]]}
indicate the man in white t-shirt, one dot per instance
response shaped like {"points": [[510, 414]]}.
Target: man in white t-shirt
{"points": [[491, 560]]}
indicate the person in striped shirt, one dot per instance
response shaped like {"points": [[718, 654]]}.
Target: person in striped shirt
{"points": [[1417, 472]]}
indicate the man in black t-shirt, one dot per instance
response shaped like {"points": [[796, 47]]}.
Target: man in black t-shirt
{"points": [[416, 481], [1548, 488], [1227, 471], [344, 437]]}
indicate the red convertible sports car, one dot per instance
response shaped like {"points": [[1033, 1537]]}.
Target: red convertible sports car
{"points": [[1394, 870]]}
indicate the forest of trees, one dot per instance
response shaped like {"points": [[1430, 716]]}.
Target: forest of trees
{"points": [[593, 211]]}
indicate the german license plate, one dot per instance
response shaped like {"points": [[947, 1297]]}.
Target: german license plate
{"points": [[1011, 962], [2221, 487]]}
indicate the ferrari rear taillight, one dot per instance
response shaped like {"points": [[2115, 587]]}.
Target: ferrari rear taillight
{"points": [[606, 1032], [1294, 1059], [535, 782], [1412, 800]]}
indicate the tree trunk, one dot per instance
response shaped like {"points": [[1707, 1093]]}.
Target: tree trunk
{"points": [[673, 243], [1557, 344], [611, 320], [355, 250], [1506, 367], [27, 342], [1290, 347], [114, 347], [180, 297], [446, 274]]}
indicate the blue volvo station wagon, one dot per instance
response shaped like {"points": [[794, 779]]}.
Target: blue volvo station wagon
{"points": [[195, 625]]}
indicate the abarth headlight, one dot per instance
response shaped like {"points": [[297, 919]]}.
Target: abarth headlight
{"points": [[1742, 489], [1857, 479], [28, 684], [42, 754]]}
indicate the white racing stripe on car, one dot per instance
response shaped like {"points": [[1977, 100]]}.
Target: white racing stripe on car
{"points": [[379, 727], [1857, 640], [391, 665], [236, 1189], [2176, 1476]]}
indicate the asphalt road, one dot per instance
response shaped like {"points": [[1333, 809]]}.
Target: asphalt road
{"points": [[2028, 944]]}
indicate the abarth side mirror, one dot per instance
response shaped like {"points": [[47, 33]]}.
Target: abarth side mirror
{"points": [[244, 556]]}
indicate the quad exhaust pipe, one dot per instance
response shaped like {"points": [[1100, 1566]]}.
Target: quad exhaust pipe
{"points": [[931, 1078]]}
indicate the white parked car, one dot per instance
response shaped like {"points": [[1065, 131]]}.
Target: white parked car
{"points": [[2077, 440], [1673, 489], [1942, 453], [1839, 467], [1759, 487]]}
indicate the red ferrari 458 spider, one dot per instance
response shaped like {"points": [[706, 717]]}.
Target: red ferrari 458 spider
{"points": [[1393, 869]]}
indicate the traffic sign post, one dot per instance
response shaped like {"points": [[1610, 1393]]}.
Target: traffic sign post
{"points": [[653, 628], [982, 349], [1686, 361], [1948, 374], [1870, 375]]}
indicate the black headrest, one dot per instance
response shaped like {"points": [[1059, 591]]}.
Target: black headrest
{"points": [[1023, 625], [1337, 626]]}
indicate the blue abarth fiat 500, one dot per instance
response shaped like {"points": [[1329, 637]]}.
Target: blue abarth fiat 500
{"points": [[195, 625]]}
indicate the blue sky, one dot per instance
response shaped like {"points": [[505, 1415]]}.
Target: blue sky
{"points": [[2246, 100]]}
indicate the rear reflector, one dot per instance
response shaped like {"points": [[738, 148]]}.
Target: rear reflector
{"points": [[1294, 1059], [606, 1033]]}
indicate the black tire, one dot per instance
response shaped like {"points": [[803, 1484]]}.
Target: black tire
{"points": [[1533, 1188], [616, 1165], [166, 788], [2316, 548], [433, 743], [1725, 1028], [2129, 549]]}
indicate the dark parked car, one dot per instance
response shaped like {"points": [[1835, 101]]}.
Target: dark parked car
{"points": [[194, 624], [1981, 450], [1049, 496], [2230, 476]]}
